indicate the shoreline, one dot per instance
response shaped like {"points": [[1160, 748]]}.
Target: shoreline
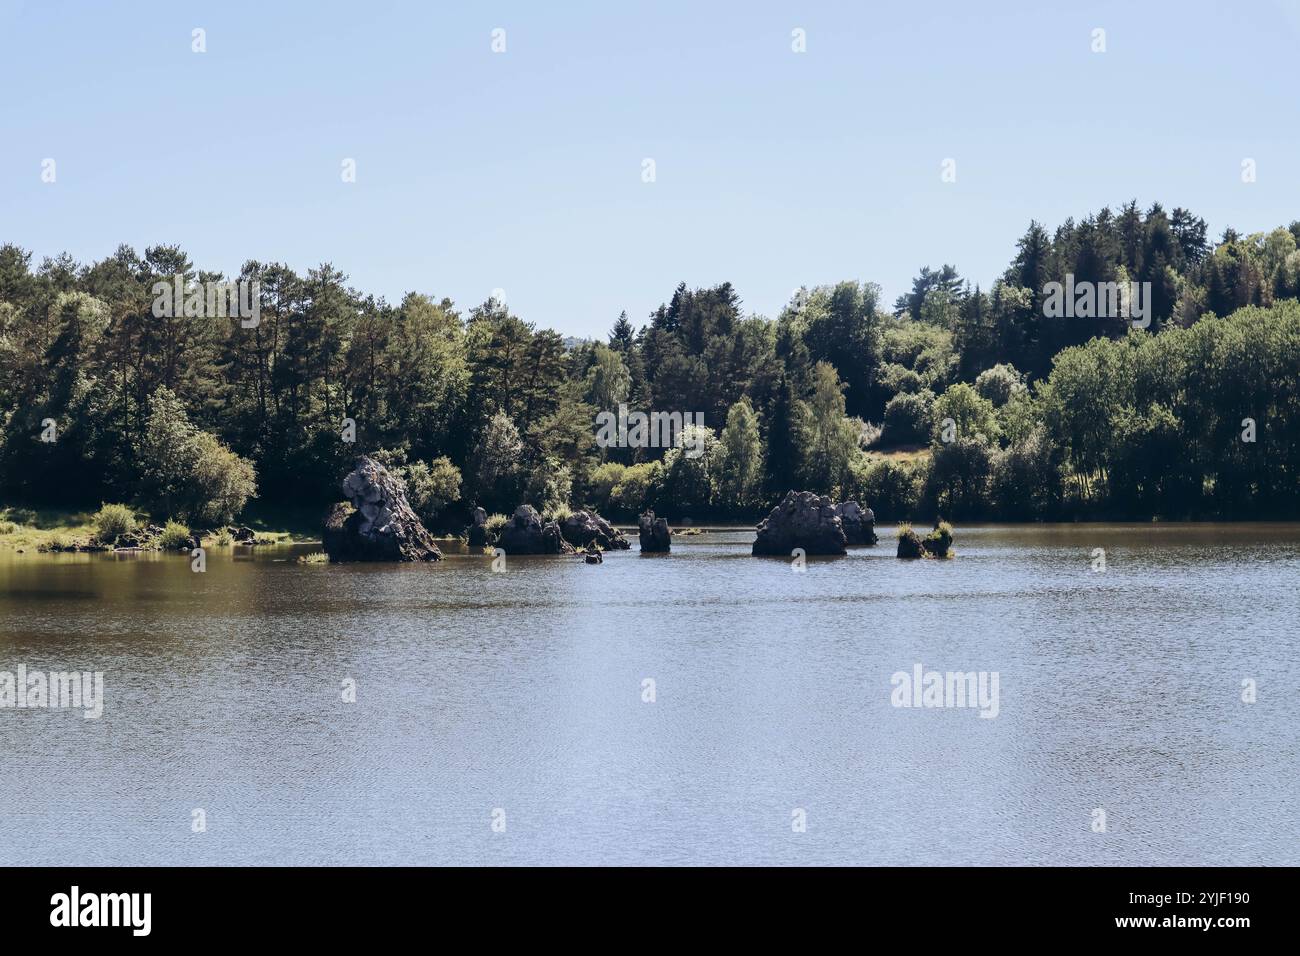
{"points": [[30, 529]]}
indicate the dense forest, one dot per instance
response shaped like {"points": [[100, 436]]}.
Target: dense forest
{"points": [[963, 401]]}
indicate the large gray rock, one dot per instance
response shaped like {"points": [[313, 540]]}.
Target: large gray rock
{"points": [[379, 525], [654, 533], [859, 523], [801, 520], [581, 528], [525, 533], [478, 536]]}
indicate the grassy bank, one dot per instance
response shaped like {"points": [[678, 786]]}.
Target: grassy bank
{"points": [[32, 528]]}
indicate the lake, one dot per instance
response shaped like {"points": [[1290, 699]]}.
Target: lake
{"points": [[505, 718]]}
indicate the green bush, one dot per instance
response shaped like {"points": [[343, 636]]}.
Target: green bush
{"points": [[113, 521], [430, 487], [557, 513], [939, 541], [908, 417], [888, 488], [604, 478], [8, 527], [189, 472], [174, 537], [999, 383], [637, 489], [494, 525]]}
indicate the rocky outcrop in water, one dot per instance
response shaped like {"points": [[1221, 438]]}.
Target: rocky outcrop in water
{"points": [[477, 532], [582, 528], [939, 541], [859, 523], [526, 533], [909, 544], [654, 533], [801, 520], [379, 524]]}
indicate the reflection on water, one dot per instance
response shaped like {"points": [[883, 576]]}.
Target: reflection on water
{"points": [[524, 691]]}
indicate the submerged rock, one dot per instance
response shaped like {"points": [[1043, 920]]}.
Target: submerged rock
{"points": [[909, 544], [581, 528], [525, 533], [379, 525], [859, 523], [654, 533], [477, 532], [801, 520]]}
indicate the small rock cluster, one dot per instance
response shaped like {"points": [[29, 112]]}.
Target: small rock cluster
{"points": [[583, 528], [936, 544], [526, 533]]}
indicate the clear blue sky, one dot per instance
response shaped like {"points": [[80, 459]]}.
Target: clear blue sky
{"points": [[522, 170]]}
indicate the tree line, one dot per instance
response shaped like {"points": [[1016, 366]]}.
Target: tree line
{"points": [[957, 400]]}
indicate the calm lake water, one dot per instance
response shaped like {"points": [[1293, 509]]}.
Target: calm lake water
{"points": [[523, 691]]}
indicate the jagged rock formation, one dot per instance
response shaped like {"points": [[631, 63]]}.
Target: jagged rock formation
{"points": [[525, 533], [654, 533], [379, 525], [477, 532], [859, 523], [801, 520], [581, 528]]}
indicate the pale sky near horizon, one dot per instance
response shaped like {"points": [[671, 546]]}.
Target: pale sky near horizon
{"points": [[522, 170]]}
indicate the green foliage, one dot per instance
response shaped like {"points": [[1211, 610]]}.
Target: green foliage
{"points": [[600, 488], [740, 460], [1026, 477], [494, 465], [186, 471], [494, 525], [959, 476], [831, 440], [549, 487], [998, 384], [889, 488], [192, 417], [639, 487], [174, 536], [431, 486], [939, 541], [112, 521], [690, 470], [971, 415], [909, 418]]}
